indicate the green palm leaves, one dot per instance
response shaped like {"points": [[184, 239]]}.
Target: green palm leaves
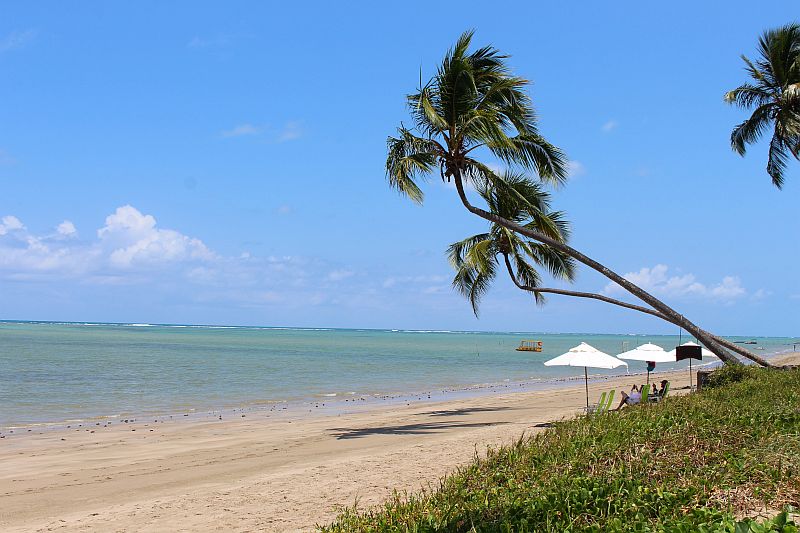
{"points": [[476, 259], [774, 93], [475, 104], [472, 102]]}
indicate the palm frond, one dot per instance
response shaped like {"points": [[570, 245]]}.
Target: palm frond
{"points": [[526, 274], [462, 45], [747, 96], [480, 286], [481, 256], [544, 223], [751, 129], [476, 267], [409, 159], [557, 263], [533, 152], [776, 161], [775, 95], [514, 196], [779, 51], [457, 252]]}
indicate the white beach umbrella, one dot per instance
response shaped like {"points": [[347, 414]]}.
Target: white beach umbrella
{"points": [[650, 353], [586, 356]]}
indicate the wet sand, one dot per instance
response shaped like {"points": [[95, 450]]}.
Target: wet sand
{"points": [[256, 472]]}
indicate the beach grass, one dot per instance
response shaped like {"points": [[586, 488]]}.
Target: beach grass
{"points": [[724, 459]]}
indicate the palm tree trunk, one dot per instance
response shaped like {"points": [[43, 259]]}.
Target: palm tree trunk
{"points": [[577, 294], [652, 301], [722, 341], [741, 351]]}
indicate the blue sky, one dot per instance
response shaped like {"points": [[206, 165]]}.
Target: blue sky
{"points": [[189, 162]]}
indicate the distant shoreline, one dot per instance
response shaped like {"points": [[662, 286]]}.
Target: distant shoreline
{"points": [[398, 330]]}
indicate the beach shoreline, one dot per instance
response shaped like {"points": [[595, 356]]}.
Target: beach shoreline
{"points": [[285, 473], [68, 374], [326, 404]]}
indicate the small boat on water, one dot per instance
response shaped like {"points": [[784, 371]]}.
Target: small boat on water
{"points": [[530, 346]]}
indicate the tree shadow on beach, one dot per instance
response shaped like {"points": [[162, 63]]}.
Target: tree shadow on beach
{"points": [[466, 411], [407, 429]]}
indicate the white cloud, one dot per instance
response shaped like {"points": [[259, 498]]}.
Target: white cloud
{"points": [[270, 297], [291, 130], [136, 239], [436, 289], [609, 126], [658, 281], [730, 288], [26, 256], [217, 41], [16, 40], [241, 130], [66, 229], [393, 281], [284, 210], [10, 223], [575, 169], [130, 252], [339, 275], [760, 294], [128, 240]]}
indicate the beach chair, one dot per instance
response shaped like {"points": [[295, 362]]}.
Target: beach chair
{"points": [[645, 393], [592, 409], [666, 391], [610, 401], [659, 397], [606, 401]]}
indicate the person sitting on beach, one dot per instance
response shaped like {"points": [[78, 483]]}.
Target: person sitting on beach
{"points": [[630, 399], [663, 388]]}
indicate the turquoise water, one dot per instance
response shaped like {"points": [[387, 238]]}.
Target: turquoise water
{"points": [[54, 372]]}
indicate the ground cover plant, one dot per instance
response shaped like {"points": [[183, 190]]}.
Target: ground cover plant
{"points": [[724, 459]]}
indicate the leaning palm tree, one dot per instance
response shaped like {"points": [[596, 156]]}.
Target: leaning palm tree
{"points": [[474, 104], [476, 259], [774, 92]]}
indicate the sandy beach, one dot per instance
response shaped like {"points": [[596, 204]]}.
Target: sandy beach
{"points": [[253, 473]]}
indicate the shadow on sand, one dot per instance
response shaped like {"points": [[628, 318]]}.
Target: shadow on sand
{"points": [[466, 411], [420, 428]]}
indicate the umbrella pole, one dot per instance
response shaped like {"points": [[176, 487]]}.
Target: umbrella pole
{"points": [[586, 380], [690, 374]]}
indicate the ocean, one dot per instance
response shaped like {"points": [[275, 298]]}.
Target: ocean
{"points": [[53, 373]]}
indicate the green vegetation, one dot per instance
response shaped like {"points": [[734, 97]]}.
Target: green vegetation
{"points": [[774, 95], [475, 258], [693, 463]]}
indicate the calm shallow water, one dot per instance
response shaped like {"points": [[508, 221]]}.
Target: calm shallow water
{"points": [[52, 372]]}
